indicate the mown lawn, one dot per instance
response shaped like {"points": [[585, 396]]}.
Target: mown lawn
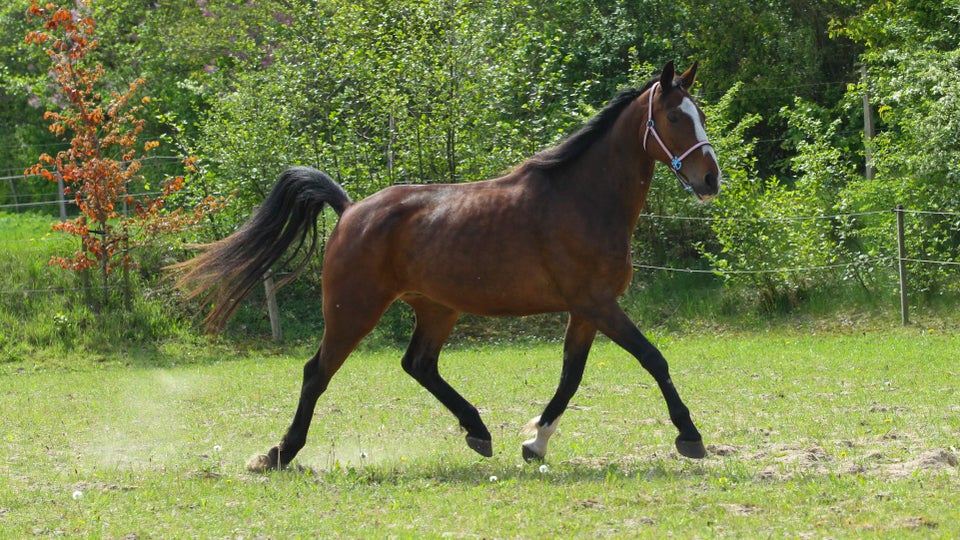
{"points": [[835, 435]]}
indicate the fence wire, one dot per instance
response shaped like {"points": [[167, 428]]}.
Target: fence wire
{"points": [[725, 271], [713, 271], [765, 219], [722, 271]]}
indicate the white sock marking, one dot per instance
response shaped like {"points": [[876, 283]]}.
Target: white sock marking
{"points": [[538, 444]]}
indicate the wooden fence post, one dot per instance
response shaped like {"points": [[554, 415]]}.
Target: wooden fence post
{"points": [[270, 288], [60, 198], [901, 258], [13, 191], [867, 126]]}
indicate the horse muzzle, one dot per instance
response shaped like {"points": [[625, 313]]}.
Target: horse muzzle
{"points": [[705, 186]]}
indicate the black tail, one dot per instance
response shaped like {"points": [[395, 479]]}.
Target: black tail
{"points": [[228, 270]]}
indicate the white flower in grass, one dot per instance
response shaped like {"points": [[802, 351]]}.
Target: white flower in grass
{"points": [[493, 478], [77, 495], [544, 469]]}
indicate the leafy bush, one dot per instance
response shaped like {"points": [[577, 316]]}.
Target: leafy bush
{"points": [[770, 237]]}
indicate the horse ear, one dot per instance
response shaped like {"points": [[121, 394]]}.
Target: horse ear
{"points": [[666, 77], [689, 76]]}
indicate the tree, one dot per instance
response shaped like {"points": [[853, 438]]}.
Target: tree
{"points": [[21, 114], [104, 154], [913, 60]]}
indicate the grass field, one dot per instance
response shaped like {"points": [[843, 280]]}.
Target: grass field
{"points": [[836, 435]]}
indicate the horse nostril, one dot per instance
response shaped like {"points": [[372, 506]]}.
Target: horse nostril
{"points": [[712, 182]]}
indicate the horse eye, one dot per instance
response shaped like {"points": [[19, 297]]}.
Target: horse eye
{"points": [[673, 117]]}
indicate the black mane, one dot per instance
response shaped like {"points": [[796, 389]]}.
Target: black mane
{"points": [[591, 132]]}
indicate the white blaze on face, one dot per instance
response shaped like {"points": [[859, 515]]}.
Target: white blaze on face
{"points": [[690, 109]]}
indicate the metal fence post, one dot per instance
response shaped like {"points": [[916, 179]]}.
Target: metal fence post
{"points": [[901, 259]]}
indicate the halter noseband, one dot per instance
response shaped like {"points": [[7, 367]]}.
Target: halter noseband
{"points": [[677, 161]]}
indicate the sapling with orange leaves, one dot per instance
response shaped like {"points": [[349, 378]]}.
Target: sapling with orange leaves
{"points": [[104, 158]]}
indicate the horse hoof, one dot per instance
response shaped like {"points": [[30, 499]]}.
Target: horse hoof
{"points": [[480, 446], [260, 464], [529, 455], [266, 462], [691, 449]]}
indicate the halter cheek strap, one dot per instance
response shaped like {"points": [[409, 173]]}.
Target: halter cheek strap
{"points": [[677, 160]]}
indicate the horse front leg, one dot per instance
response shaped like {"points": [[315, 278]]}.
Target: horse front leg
{"points": [[576, 347], [614, 323]]}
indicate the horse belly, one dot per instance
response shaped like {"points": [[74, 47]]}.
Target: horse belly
{"points": [[485, 271], [486, 294], [484, 283]]}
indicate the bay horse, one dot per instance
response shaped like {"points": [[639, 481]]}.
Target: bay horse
{"points": [[553, 235]]}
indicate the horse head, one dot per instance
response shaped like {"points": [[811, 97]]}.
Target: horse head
{"points": [[676, 123]]}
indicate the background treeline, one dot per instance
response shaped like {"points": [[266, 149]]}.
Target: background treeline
{"points": [[383, 92]]}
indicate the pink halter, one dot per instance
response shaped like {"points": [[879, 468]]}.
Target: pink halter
{"points": [[677, 161]]}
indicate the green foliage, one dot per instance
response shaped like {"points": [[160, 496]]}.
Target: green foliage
{"points": [[769, 238], [914, 64], [23, 133], [769, 242], [379, 93], [779, 51], [390, 93]]}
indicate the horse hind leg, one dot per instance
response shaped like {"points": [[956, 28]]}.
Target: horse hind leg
{"points": [[576, 346], [434, 322], [344, 330]]}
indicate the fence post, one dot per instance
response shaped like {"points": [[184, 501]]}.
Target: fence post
{"points": [[901, 258], [867, 126], [60, 198], [270, 288], [13, 191]]}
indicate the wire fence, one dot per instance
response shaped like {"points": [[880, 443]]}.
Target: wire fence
{"points": [[789, 219], [899, 259], [16, 200], [734, 272]]}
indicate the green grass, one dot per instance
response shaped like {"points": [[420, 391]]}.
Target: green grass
{"points": [[46, 310], [833, 435]]}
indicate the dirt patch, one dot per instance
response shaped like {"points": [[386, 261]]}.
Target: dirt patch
{"points": [[103, 486], [722, 449], [772, 474], [789, 461], [812, 457], [879, 456], [917, 523], [934, 460], [740, 509]]}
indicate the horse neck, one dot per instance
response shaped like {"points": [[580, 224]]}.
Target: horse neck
{"points": [[618, 169]]}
